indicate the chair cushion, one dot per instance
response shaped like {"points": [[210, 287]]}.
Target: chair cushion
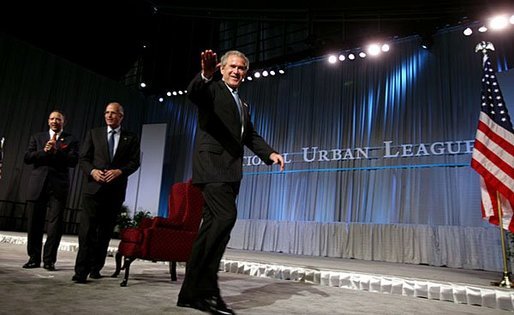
{"points": [[131, 235]]}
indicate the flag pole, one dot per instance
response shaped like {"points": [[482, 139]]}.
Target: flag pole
{"points": [[505, 281]]}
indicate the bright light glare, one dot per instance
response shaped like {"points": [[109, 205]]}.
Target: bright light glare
{"points": [[498, 22], [385, 48], [332, 59], [342, 57], [511, 20], [374, 49]]}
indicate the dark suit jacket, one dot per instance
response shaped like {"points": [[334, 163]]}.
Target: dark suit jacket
{"points": [[94, 154], [219, 146], [51, 167]]}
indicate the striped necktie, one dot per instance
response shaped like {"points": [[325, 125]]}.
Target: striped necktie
{"points": [[240, 108]]}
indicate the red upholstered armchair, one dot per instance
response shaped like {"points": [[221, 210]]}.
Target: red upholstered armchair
{"points": [[164, 239]]}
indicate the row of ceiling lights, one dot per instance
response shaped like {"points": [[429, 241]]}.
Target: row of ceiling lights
{"points": [[498, 22], [257, 74], [372, 50]]}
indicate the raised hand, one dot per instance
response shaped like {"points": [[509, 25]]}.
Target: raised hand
{"points": [[209, 61], [50, 145]]}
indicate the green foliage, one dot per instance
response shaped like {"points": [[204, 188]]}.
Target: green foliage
{"points": [[125, 221], [139, 216]]}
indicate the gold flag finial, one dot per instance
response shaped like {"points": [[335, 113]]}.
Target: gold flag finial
{"points": [[484, 46]]}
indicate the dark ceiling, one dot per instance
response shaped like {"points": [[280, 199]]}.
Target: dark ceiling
{"points": [[107, 37]]}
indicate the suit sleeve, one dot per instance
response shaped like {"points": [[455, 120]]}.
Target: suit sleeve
{"points": [[87, 154], [35, 155], [134, 157], [198, 91], [68, 155], [257, 144]]}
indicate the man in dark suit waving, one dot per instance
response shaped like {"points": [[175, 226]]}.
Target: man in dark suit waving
{"points": [[109, 155], [224, 128], [51, 153]]}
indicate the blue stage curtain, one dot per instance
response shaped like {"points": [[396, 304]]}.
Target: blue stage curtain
{"points": [[406, 96]]}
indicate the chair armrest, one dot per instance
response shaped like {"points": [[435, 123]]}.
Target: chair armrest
{"points": [[146, 223], [160, 222]]}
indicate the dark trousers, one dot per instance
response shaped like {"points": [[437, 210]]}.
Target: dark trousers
{"points": [[219, 217], [37, 215], [97, 221]]}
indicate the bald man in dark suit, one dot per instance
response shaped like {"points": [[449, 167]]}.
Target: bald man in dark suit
{"points": [[51, 153], [224, 128], [107, 168]]}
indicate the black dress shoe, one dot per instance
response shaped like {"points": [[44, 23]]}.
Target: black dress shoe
{"points": [[95, 275], [49, 267], [31, 264], [192, 304], [78, 279], [218, 306], [213, 305]]}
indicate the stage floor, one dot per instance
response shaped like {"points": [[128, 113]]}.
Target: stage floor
{"points": [[253, 283]]}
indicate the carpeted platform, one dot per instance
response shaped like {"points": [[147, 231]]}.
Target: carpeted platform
{"points": [[254, 283]]}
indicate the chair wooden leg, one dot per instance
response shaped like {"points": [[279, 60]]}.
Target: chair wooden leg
{"points": [[126, 264], [118, 265], [173, 270]]}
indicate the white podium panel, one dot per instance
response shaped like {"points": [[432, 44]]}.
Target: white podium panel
{"points": [[144, 186]]}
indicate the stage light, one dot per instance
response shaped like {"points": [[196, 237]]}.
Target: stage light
{"points": [[272, 72], [342, 57], [142, 84], [168, 93], [249, 78], [257, 75], [468, 31], [498, 22], [174, 93], [332, 59], [281, 71], [511, 20], [374, 49], [265, 73], [426, 41], [180, 92], [385, 47], [161, 100], [362, 54], [482, 29]]}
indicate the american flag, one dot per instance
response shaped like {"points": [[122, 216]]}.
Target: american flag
{"points": [[493, 153]]}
